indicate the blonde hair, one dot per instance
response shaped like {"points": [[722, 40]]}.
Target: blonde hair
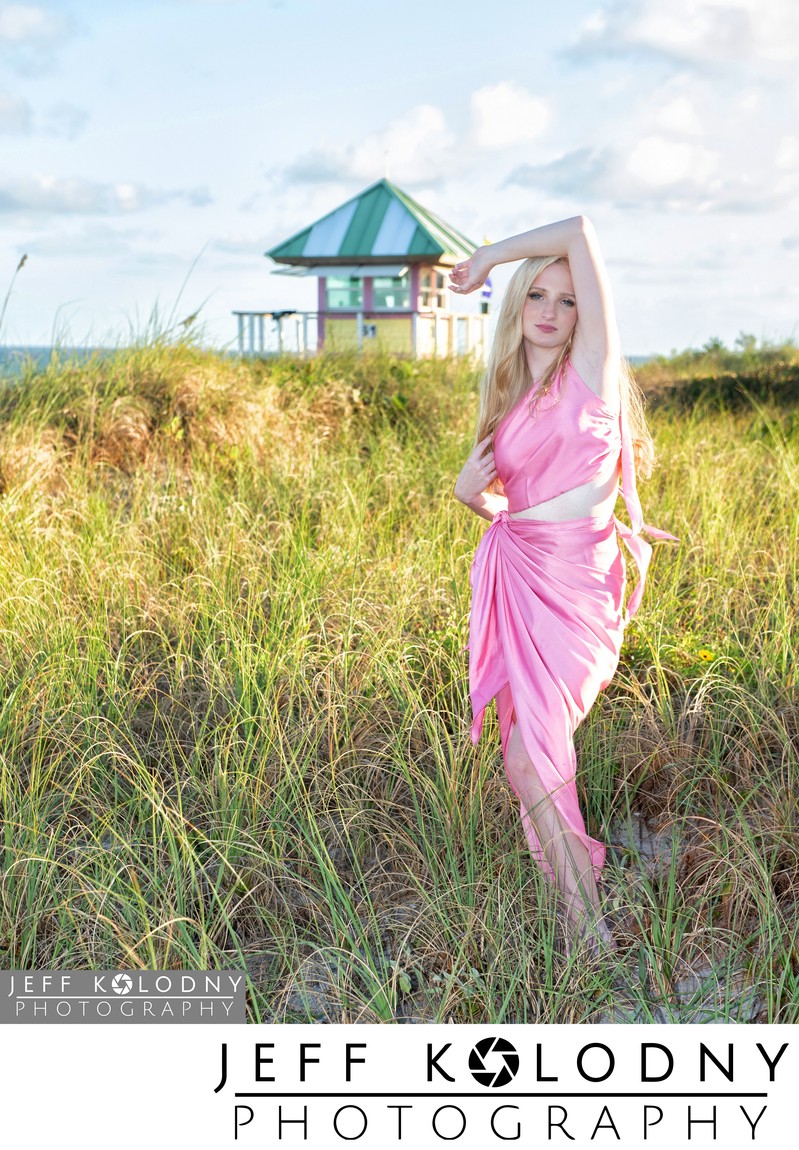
{"points": [[506, 378]]}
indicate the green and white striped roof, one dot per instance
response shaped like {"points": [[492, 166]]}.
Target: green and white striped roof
{"points": [[379, 225]]}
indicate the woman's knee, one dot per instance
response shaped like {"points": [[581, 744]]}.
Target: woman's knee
{"points": [[517, 759], [522, 772]]}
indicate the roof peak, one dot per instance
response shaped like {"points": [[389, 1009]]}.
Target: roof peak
{"points": [[381, 222]]}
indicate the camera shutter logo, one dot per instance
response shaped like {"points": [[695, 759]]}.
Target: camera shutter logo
{"points": [[494, 1062], [122, 984]]}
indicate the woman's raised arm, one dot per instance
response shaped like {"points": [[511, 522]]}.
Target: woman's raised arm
{"points": [[595, 346]]}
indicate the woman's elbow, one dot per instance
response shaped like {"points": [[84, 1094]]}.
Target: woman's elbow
{"points": [[584, 226]]}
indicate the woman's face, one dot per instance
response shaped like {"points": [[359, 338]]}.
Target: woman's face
{"points": [[550, 310]]}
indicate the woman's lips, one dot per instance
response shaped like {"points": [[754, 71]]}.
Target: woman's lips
{"points": [[545, 327]]}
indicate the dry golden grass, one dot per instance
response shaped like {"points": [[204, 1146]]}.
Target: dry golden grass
{"points": [[234, 727]]}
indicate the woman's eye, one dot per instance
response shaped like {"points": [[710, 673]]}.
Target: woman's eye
{"points": [[568, 302], [535, 295]]}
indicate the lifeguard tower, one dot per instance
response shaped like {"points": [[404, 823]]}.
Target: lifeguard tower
{"points": [[381, 260]]}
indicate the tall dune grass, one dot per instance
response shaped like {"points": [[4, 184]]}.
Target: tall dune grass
{"points": [[234, 714]]}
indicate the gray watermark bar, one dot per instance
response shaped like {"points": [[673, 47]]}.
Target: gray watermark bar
{"points": [[114, 996]]}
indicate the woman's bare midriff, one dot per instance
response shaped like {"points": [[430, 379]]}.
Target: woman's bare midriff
{"points": [[591, 499]]}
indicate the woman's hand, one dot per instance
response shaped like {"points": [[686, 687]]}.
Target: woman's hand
{"points": [[476, 473], [471, 273]]}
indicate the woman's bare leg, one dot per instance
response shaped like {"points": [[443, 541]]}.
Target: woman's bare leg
{"points": [[566, 853]]}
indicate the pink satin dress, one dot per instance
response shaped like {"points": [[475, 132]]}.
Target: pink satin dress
{"points": [[547, 617]]}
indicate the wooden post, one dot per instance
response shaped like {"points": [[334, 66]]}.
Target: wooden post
{"points": [[359, 322], [240, 326]]}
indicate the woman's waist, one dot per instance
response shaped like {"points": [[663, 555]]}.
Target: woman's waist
{"points": [[595, 499], [553, 533], [587, 544]]}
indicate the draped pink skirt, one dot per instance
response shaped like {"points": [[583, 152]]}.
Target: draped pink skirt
{"points": [[545, 634]]}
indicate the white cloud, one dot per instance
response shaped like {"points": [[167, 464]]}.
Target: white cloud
{"points": [[788, 152], [62, 119], [51, 195], [654, 171], [659, 162], [787, 185], [23, 24], [595, 24], [15, 113], [506, 114], [412, 146], [751, 100], [417, 147], [241, 245], [774, 25], [679, 115], [90, 241], [693, 142], [690, 28], [758, 31], [585, 172], [66, 120]]}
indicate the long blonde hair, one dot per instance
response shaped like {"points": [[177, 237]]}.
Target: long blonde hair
{"points": [[506, 378]]}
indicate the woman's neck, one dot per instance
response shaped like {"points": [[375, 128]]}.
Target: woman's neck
{"points": [[538, 364]]}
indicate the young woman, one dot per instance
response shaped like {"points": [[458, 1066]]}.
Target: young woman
{"points": [[547, 620]]}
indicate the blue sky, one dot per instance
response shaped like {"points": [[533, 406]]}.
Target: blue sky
{"points": [[153, 148]]}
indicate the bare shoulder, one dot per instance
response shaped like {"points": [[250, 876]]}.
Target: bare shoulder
{"points": [[600, 373]]}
